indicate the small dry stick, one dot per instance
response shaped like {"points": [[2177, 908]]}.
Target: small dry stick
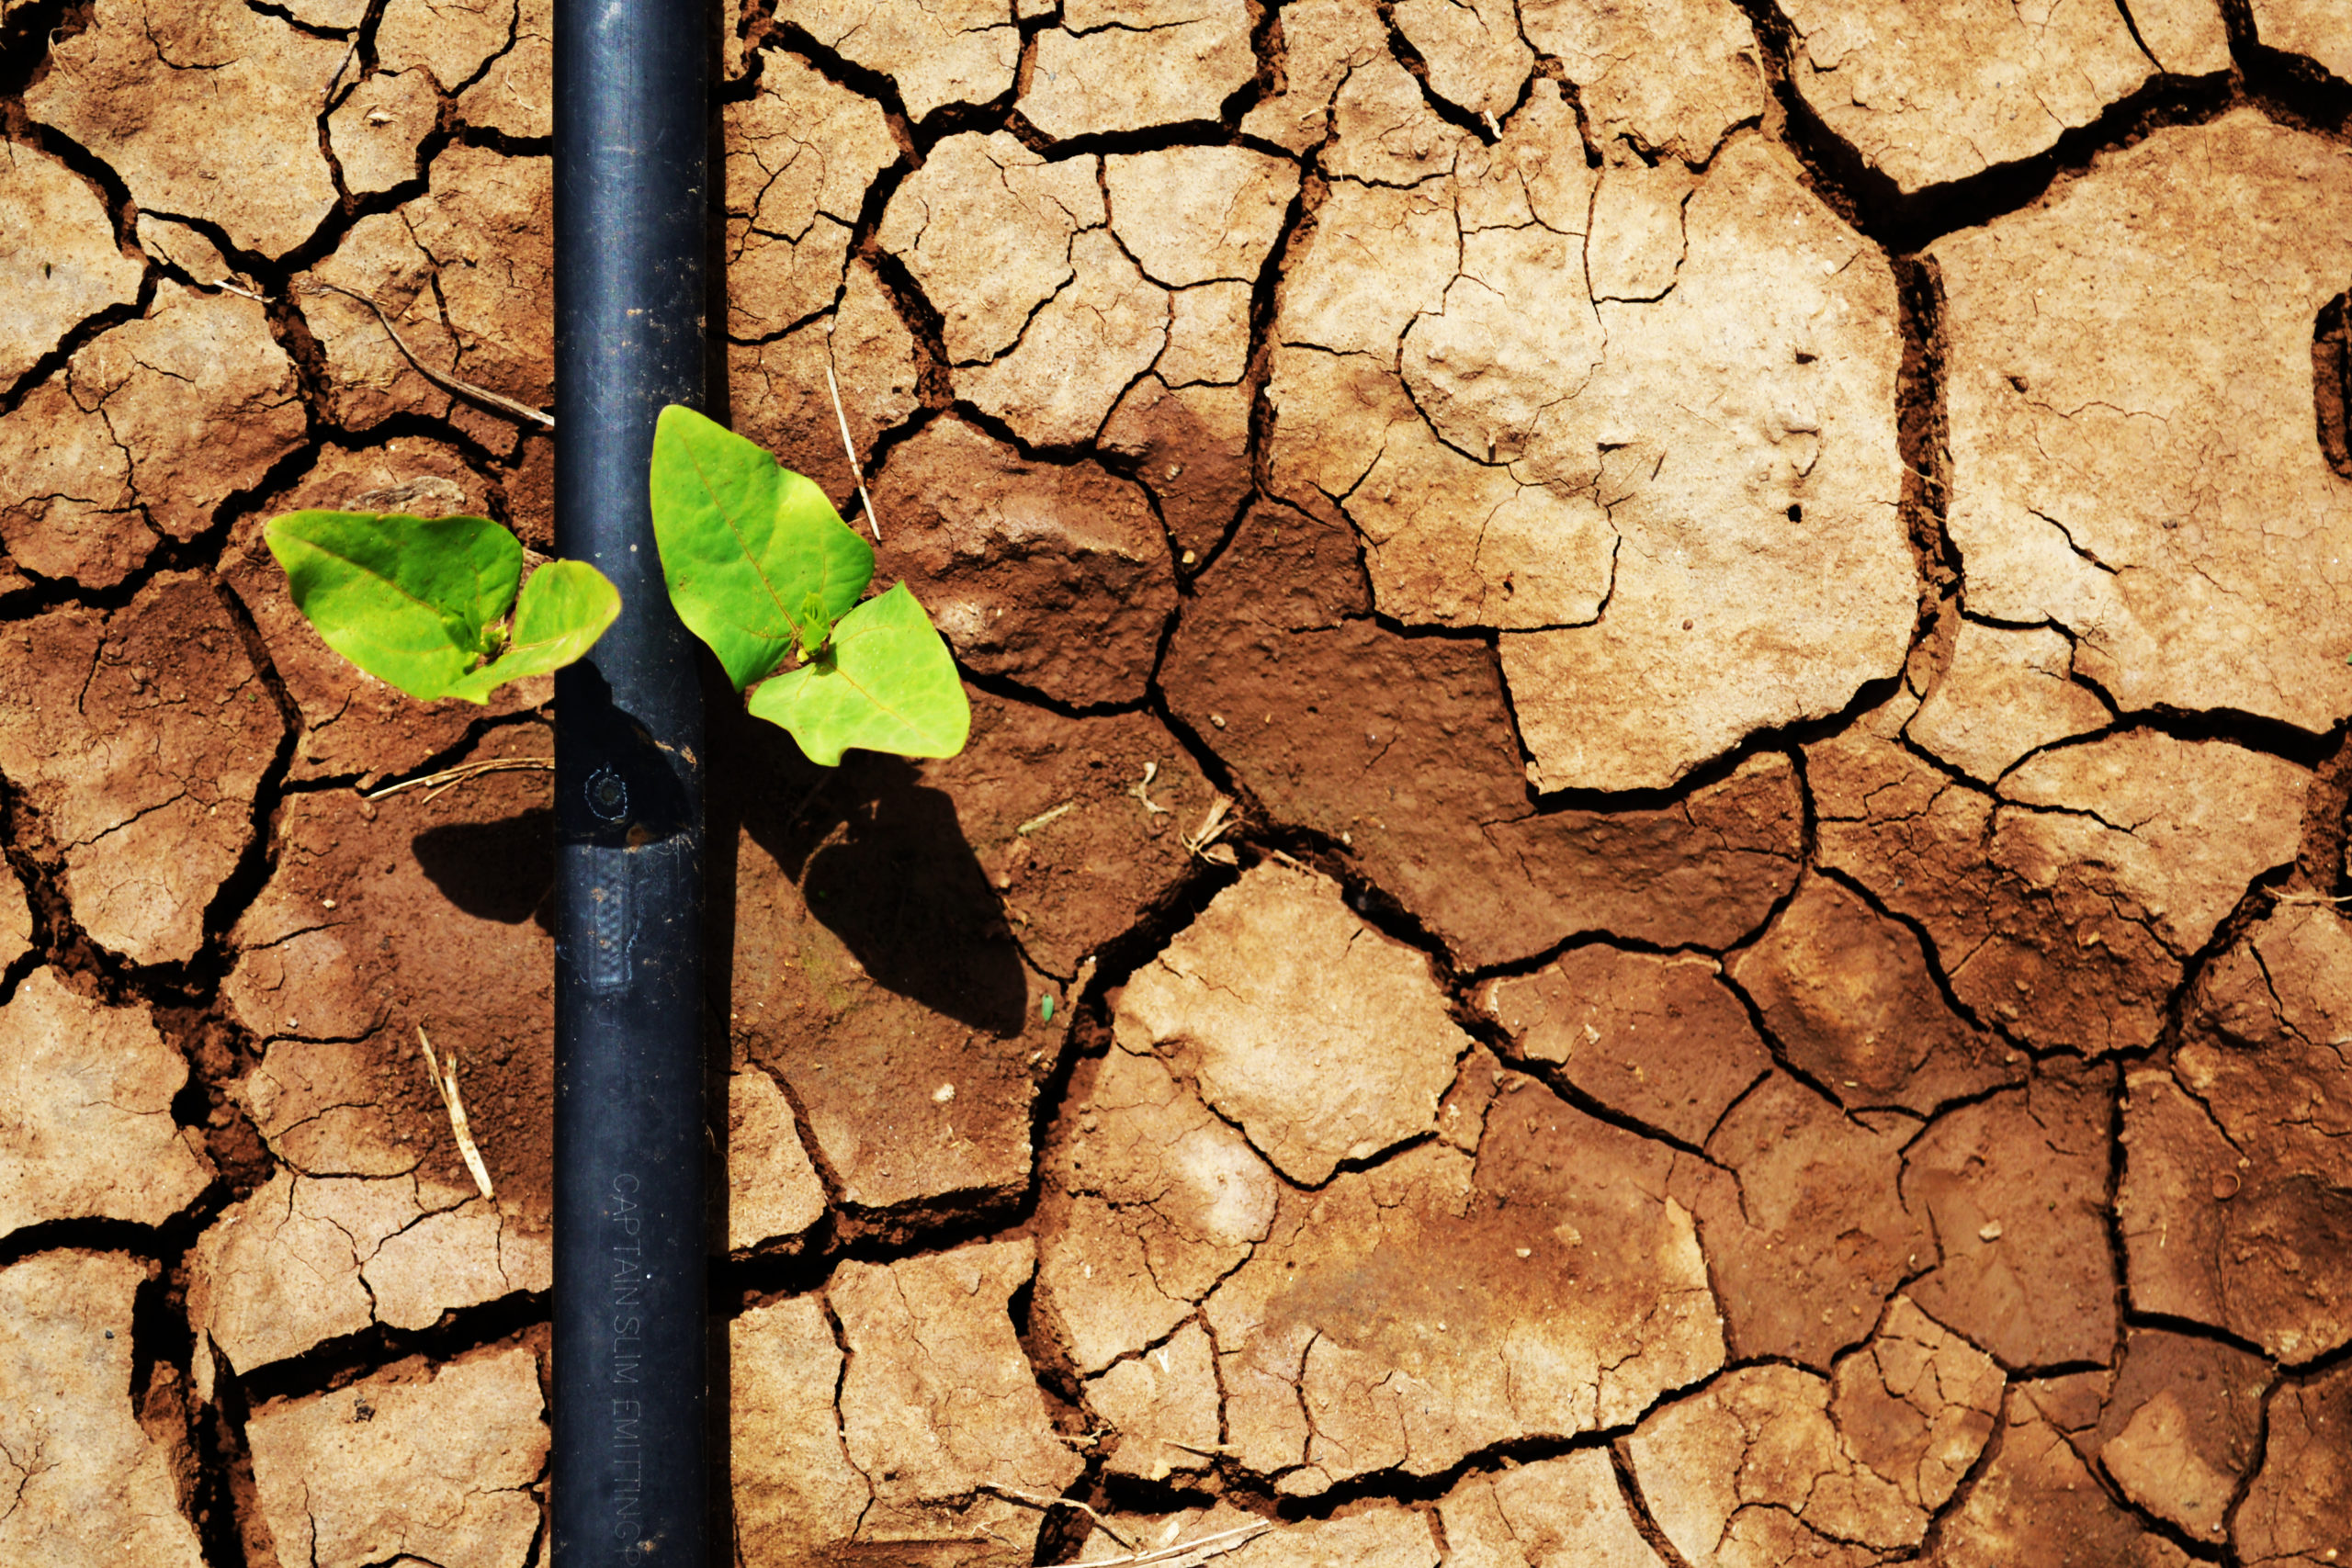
{"points": [[1043, 818], [847, 445], [447, 779], [447, 1084], [1212, 826], [1151, 807], [233, 289], [447, 383], [1037, 1501], [340, 67], [1175, 1552]]}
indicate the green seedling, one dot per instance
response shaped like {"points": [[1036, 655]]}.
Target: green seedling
{"points": [[764, 569], [759, 565], [425, 604]]}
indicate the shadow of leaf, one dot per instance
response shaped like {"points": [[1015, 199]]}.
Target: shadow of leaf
{"points": [[501, 871], [882, 862]]}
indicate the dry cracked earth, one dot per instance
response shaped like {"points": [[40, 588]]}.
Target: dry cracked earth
{"points": [[1652, 870]]}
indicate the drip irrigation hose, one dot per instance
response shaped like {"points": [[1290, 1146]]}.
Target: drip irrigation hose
{"points": [[630, 1376]]}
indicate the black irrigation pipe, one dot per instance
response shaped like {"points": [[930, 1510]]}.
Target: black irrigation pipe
{"points": [[632, 181]]}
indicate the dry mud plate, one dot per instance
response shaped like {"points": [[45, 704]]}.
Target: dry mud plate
{"points": [[1652, 871]]}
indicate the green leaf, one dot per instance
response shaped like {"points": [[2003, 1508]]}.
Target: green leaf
{"points": [[411, 600], [745, 543], [816, 626], [565, 607], [887, 684]]}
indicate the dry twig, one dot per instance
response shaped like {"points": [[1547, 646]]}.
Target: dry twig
{"points": [[447, 1083], [447, 779], [448, 383], [1037, 1500], [1043, 818], [848, 445], [1142, 791], [1180, 1551], [1202, 840], [340, 67]]}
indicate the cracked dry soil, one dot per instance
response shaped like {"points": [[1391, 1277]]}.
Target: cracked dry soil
{"points": [[1769, 581]]}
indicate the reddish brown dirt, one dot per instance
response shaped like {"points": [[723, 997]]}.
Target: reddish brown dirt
{"points": [[1756, 603]]}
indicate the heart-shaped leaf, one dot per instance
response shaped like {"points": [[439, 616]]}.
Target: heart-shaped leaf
{"points": [[564, 608], [409, 600], [744, 544], [885, 683]]}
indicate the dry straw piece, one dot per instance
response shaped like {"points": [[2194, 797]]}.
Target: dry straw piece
{"points": [[447, 1083], [447, 779], [857, 469], [446, 382], [1169, 1554], [1202, 840], [1184, 1553]]}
